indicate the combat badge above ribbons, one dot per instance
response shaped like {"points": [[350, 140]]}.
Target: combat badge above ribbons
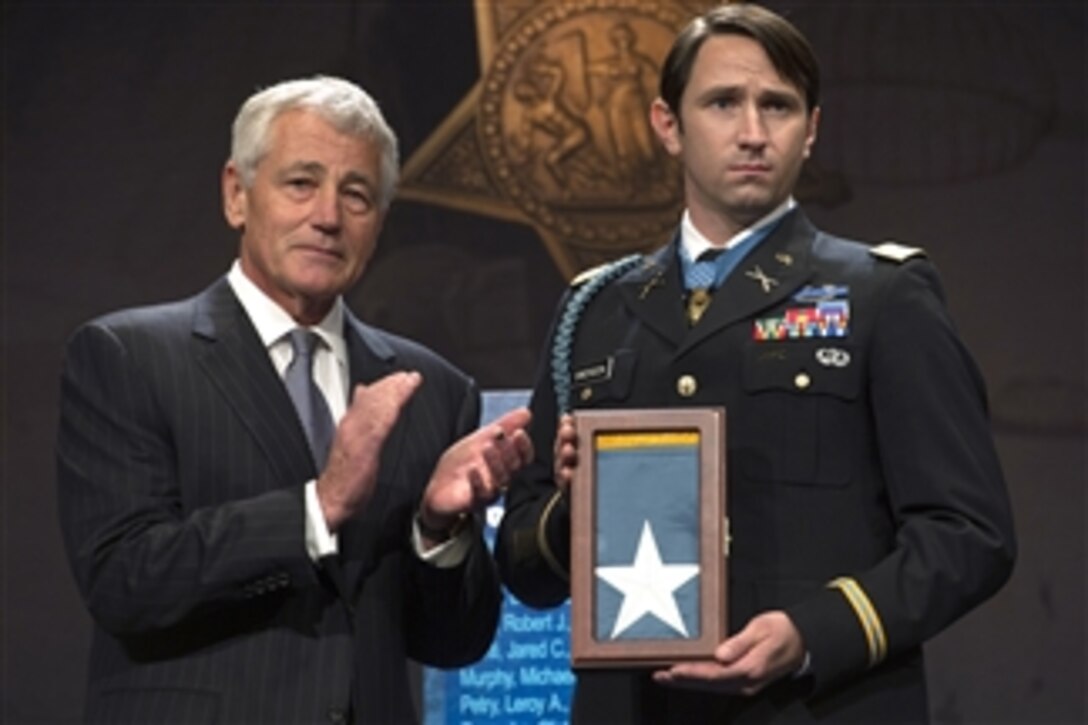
{"points": [[813, 293], [827, 315]]}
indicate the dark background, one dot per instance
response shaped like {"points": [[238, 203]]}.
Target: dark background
{"points": [[956, 126]]}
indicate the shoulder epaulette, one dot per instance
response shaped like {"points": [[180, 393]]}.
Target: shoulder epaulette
{"points": [[587, 274], [563, 340], [895, 252]]}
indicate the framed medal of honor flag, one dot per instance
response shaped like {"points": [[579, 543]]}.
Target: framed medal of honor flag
{"points": [[649, 537]]}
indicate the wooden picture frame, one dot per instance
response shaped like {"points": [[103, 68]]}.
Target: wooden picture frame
{"points": [[648, 525]]}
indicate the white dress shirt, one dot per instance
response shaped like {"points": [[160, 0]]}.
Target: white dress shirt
{"points": [[330, 371], [694, 243]]}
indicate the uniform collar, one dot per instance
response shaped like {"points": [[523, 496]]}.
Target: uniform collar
{"points": [[693, 242]]}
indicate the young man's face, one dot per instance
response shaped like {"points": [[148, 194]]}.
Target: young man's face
{"points": [[310, 219], [742, 134]]}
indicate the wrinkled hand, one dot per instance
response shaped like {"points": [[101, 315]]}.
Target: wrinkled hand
{"points": [[476, 470], [768, 648], [351, 471], [565, 452]]}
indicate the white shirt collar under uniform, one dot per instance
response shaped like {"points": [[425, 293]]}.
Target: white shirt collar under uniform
{"points": [[694, 243]]}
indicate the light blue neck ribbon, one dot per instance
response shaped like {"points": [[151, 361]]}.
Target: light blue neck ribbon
{"points": [[714, 265]]}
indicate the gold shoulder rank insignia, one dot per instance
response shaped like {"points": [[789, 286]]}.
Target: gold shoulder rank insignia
{"points": [[895, 252]]}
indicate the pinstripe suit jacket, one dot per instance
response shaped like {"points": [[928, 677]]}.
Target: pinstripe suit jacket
{"points": [[181, 465]]}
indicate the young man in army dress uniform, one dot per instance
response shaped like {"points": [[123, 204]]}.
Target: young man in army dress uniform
{"points": [[868, 509]]}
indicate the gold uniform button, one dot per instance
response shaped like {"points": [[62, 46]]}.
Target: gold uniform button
{"points": [[586, 393], [686, 385], [802, 381]]}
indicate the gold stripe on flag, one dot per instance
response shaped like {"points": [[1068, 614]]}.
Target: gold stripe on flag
{"points": [[617, 441]]}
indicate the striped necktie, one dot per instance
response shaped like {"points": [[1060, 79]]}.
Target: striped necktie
{"points": [[313, 410]]}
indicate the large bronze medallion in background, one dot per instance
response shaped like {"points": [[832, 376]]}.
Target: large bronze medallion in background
{"points": [[556, 133]]}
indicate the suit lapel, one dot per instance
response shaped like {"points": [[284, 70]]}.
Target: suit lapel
{"points": [[230, 351], [370, 358], [237, 364], [769, 274], [654, 292]]}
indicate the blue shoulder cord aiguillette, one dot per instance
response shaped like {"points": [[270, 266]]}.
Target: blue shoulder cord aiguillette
{"points": [[568, 322]]}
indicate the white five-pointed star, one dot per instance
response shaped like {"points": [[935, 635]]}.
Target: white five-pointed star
{"points": [[647, 585]]}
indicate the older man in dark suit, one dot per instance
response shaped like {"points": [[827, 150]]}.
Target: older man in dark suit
{"points": [[267, 504]]}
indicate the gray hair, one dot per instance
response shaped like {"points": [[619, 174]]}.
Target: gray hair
{"points": [[346, 106]]}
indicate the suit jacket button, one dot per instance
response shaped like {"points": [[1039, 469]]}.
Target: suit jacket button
{"points": [[337, 715], [687, 385]]}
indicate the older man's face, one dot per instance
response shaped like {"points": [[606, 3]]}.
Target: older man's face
{"points": [[311, 218]]}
